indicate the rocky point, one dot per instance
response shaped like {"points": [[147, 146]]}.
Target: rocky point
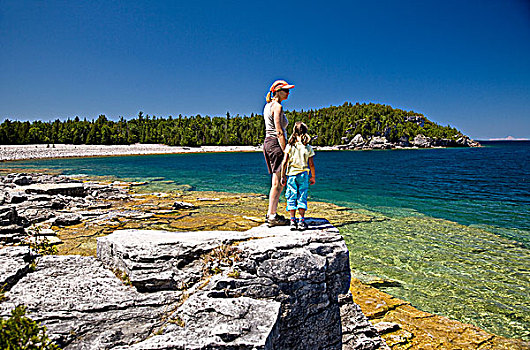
{"points": [[264, 288]]}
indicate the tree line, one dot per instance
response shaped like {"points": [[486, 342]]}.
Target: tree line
{"points": [[328, 126]]}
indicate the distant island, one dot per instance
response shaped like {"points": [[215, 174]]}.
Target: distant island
{"points": [[509, 138], [350, 126]]}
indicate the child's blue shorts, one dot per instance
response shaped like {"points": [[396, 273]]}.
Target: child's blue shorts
{"points": [[296, 192]]}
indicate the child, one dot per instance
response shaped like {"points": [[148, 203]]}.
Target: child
{"points": [[297, 162]]}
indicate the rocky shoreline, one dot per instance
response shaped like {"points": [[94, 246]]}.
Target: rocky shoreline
{"points": [[83, 218], [32, 203], [42, 151], [357, 142], [154, 289]]}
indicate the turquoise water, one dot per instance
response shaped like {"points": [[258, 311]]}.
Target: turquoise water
{"points": [[455, 228]]}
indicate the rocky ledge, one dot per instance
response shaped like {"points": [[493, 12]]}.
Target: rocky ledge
{"points": [[30, 202], [107, 311], [420, 141], [265, 288]]}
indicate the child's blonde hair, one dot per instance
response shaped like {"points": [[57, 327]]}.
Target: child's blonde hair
{"points": [[299, 129]]}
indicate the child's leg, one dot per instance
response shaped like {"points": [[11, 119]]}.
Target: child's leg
{"points": [[290, 194], [303, 187], [302, 213]]}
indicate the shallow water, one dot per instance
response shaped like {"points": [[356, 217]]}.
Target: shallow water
{"points": [[446, 268], [456, 225]]}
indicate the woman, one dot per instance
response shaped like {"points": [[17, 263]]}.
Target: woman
{"points": [[274, 144]]}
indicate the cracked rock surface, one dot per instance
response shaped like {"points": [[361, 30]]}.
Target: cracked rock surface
{"points": [[294, 278], [84, 305], [213, 323], [265, 288], [15, 262]]}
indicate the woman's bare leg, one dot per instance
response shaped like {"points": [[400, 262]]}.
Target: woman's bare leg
{"points": [[274, 194]]}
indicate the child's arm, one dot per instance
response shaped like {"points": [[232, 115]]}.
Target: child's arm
{"points": [[284, 168], [312, 167]]}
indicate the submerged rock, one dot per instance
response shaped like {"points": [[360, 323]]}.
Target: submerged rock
{"points": [[405, 327], [386, 327]]}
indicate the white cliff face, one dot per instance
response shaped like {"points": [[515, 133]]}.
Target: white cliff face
{"points": [[266, 288]]}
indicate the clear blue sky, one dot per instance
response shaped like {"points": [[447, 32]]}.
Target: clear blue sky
{"points": [[463, 63]]}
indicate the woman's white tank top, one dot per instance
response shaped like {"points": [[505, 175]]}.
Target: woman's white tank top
{"points": [[270, 129]]}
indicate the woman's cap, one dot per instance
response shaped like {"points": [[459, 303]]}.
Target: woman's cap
{"points": [[280, 84]]}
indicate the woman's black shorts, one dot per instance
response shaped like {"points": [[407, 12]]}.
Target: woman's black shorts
{"points": [[273, 154]]}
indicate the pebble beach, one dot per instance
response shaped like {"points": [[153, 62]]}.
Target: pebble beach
{"points": [[43, 151]]}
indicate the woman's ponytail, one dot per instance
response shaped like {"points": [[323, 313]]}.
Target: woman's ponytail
{"points": [[270, 95]]}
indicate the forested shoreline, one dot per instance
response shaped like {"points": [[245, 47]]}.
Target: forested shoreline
{"points": [[329, 126]]}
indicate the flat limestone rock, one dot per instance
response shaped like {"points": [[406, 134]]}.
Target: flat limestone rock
{"points": [[213, 323], [14, 263], [85, 306], [46, 232], [12, 234], [34, 215], [300, 274], [66, 189], [155, 259], [67, 219], [266, 288]]}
